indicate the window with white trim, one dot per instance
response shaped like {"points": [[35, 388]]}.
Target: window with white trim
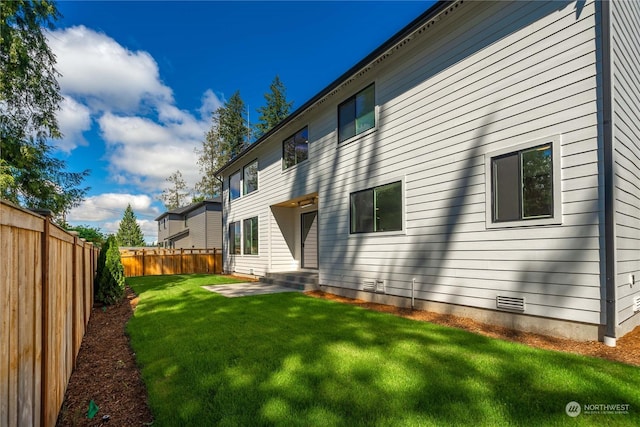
{"points": [[234, 186], [357, 114], [250, 229], [234, 238], [525, 184], [295, 149], [377, 209], [250, 177]]}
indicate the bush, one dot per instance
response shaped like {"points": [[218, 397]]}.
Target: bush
{"points": [[109, 282]]}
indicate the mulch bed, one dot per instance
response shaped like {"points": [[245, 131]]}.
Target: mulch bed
{"points": [[106, 371]]}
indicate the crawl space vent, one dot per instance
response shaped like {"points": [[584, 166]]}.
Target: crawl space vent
{"points": [[636, 304], [373, 286], [510, 303]]}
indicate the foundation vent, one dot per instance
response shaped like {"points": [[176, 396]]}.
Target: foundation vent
{"points": [[510, 303], [636, 304], [374, 286], [369, 285]]}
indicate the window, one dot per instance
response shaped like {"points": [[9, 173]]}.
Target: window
{"points": [[295, 149], [357, 114], [251, 236], [234, 186], [523, 184], [377, 209], [234, 238], [250, 177]]}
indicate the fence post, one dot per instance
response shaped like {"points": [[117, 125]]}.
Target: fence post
{"points": [[44, 405], [74, 308]]}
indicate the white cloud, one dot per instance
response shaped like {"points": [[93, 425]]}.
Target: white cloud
{"points": [[144, 152], [210, 103], [74, 119], [147, 137], [112, 205], [99, 70]]}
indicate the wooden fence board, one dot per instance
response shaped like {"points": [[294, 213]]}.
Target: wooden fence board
{"points": [[156, 261], [46, 294]]}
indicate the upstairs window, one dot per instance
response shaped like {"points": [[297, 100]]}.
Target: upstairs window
{"points": [[377, 209], [295, 149], [357, 114], [250, 178], [234, 186], [523, 184]]}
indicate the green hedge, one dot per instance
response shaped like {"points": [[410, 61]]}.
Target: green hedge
{"points": [[109, 282]]}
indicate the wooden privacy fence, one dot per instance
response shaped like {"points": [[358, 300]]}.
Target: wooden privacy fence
{"points": [[157, 261], [46, 295]]}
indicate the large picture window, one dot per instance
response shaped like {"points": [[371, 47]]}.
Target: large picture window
{"points": [[295, 149], [234, 238], [234, 186], [250, 178], [523, 184], [357, 114], [250, 227], [377, 209]]}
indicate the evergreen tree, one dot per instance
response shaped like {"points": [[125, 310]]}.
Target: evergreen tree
{"points": [[210, 157], [276, 110], [129, 233], [30, 97], [174, 196], [232, 128]]}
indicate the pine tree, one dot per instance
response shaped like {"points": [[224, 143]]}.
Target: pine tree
{"points": [[29, 98], [210, 157], [232, 128], [129, 233], [174, 196], [276, 110]]}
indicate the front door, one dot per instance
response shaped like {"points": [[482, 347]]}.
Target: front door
{"points": [[310, 240]]}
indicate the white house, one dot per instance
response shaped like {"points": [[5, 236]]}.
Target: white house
{"points": [[484, 161]]}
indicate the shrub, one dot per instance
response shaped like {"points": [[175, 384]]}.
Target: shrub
{"points": [[109, 282]]}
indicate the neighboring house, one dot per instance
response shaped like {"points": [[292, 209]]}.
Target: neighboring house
{"points": [[485, 161], [198, 225]]}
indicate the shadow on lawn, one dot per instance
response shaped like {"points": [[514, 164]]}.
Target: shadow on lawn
{"points": [[287, 359]]}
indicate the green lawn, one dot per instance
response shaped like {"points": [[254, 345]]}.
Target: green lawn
{"points": [[288, 359]]}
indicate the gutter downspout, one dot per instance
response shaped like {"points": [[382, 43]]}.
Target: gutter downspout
{"points": [[609, 177]]}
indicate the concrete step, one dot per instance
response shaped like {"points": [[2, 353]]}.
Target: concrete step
{"points": [[301, 280]]}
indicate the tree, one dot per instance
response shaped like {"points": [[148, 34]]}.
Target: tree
{"points": [[210, 157], [174, 196], [90, 234], [29, 99], [109, 281], [129, 233], [232, 129], [276, 110]]}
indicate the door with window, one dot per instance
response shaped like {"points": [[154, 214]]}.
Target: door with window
{"points": [[310, 240]]}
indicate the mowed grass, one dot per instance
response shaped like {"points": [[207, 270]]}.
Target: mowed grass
{"points": [[288, 359]]}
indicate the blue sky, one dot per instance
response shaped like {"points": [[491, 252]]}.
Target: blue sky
{"points": [[140, 80]]}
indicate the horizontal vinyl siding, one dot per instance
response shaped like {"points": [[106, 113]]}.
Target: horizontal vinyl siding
{"points": [[214, 229], [626, 110], [443, 105], [485, 77]]}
